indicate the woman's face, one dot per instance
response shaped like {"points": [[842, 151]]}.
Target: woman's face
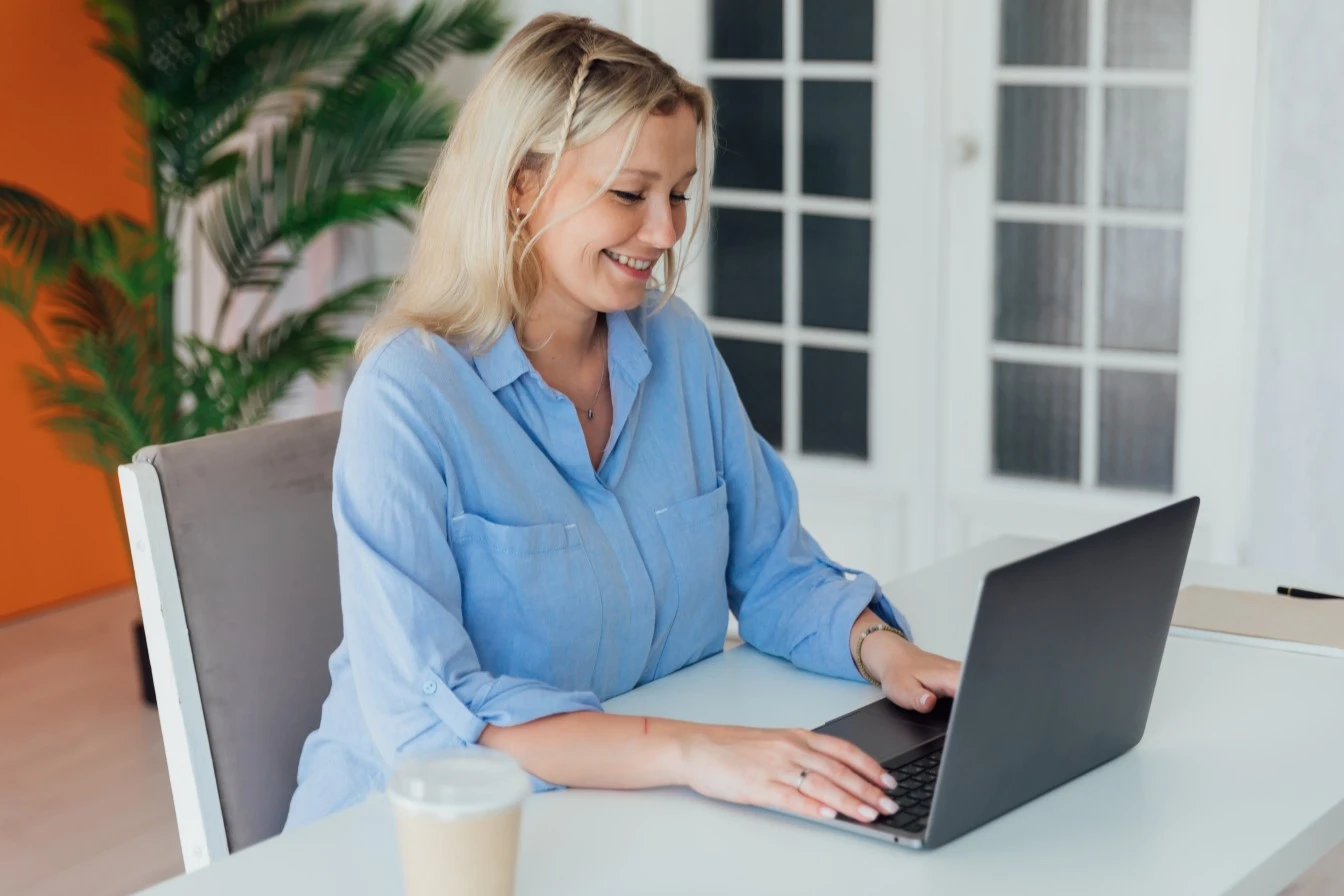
{"points": [[600, 259]]}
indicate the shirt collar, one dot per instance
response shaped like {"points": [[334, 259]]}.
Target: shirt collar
{"points": [[626, 350], [505, 361]]}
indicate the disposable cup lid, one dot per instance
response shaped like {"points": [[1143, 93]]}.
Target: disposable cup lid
{"points": [[454, 784]]}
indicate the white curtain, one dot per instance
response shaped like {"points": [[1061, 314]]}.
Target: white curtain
{"points": [[1297, 478]]}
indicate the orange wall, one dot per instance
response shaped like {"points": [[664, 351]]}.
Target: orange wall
{"points": [[63, 135]]}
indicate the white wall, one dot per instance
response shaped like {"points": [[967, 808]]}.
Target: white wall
{"points": [[1297, 472]]}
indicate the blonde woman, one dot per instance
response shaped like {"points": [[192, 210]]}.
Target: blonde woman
{"points": [[546, 489]]}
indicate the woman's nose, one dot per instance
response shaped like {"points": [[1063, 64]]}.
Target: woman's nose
{"points": [[659, 230]]}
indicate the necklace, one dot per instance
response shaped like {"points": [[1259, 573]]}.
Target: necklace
{"points": [[588, 412]]}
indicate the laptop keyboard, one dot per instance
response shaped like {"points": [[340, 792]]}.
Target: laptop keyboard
{"points": [[913, 793]]}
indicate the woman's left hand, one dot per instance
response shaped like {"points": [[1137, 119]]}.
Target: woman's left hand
{"points": [[911, 677]]}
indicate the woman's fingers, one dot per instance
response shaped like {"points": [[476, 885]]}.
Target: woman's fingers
{"points": [[852, 756], [908, 691], [842, 788], [941, 677], [920, 685], [790, 799], [824, 790]]}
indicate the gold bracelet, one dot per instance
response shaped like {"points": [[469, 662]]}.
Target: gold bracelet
{"points": [[858, 649]]}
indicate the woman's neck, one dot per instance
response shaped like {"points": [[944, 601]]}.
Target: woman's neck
{"points": [[562, 340]]}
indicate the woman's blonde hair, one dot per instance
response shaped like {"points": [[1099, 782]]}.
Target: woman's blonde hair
{"points": [[560, 82]]}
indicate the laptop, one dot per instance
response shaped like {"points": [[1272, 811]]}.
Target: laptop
{"points": [[1058, 680]]}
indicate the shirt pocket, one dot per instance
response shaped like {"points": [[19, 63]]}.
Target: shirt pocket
{"points": [[696, 534], [529, 598]]}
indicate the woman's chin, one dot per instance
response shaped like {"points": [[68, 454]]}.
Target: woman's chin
{"points": [[627, 299]]}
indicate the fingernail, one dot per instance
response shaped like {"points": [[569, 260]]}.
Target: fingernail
{"points": [[888, 805], [926, 700], [827, 812], [868, 812], [889, 782]]}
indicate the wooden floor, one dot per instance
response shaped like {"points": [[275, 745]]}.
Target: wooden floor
{"points": [[84, 800]]}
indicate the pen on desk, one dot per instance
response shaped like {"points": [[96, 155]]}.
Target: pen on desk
{"points": [[1309, 595]]}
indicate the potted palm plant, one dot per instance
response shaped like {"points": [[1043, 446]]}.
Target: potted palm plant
{"points": [[262, 125]]}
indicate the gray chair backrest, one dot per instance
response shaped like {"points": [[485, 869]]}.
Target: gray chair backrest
{"points": [[249, 517]]}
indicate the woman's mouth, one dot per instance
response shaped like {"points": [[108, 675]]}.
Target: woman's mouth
{"points": [[638, 268]]}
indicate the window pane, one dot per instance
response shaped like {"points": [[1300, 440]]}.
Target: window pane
{"points": [[1043, 32], [1138, 429], [1038, 283], [1140, 289], [746, 29], [746, 267], [1152, 34], [838, 138], [835, 402], [750, 153], [758, 372], [1037, 413], [838, 29], [1041, 136], [1145, 148], [835, 272]]}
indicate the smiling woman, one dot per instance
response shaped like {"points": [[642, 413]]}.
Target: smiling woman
{"points": [[528, 163], [546, 489]]}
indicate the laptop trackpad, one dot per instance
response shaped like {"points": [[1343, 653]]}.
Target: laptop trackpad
{"points": [[884, 731]]}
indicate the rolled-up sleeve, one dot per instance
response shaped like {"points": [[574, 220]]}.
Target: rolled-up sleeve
{"points": [[790, 598], [419, 682]]}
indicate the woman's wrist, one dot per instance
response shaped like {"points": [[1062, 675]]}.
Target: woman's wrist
{"points": [[674, 741], [883, 651]]}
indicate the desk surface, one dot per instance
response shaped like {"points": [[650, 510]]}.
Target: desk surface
{"points": [[1236, 788]]}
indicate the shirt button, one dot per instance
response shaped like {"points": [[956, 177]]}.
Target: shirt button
{"points": [[429, 687]]}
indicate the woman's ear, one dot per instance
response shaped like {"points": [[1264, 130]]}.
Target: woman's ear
{"points": [[523, 190]]}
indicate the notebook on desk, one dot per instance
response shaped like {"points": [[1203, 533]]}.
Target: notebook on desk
{"points": [[1268, 620]]}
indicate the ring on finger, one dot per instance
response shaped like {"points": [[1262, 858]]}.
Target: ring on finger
{"points": [[802, 776]]}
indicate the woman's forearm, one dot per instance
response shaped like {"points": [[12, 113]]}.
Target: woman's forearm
{"points": [[597, 750]]}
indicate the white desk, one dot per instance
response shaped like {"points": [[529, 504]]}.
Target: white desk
{"points": [[1237, 788]]}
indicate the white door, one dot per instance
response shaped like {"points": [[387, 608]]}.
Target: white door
{"points": [[816, 280], [1099, 191]]}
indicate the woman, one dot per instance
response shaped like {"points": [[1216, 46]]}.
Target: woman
{"points": [[546, 490]]}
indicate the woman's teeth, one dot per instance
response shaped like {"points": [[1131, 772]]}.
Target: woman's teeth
{"points": [[637, 264]]}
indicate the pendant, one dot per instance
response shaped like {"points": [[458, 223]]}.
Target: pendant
{"points": [[590, 413]]}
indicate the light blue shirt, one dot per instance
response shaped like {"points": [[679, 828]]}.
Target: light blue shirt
{"points": [[489, 575]]}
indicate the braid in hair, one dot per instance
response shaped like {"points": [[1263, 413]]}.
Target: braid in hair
{"points": [[585, 66]]}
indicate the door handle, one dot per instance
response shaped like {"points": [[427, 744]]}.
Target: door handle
{"points": [[966, 150]]}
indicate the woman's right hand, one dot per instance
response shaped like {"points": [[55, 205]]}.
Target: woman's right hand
{"points": [[762, 767]]}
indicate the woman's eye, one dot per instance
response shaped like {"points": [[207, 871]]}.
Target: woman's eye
{"points": [[627, 197], [680, 198]]}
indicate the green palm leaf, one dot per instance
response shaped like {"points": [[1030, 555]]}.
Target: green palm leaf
{"points": [[104, 405], [47, 239], [18, 289], [87, 306], [305, 180], [275, 59], [412, 49], [131, 258], [240, 386], [74, 412], [38, 234]]}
